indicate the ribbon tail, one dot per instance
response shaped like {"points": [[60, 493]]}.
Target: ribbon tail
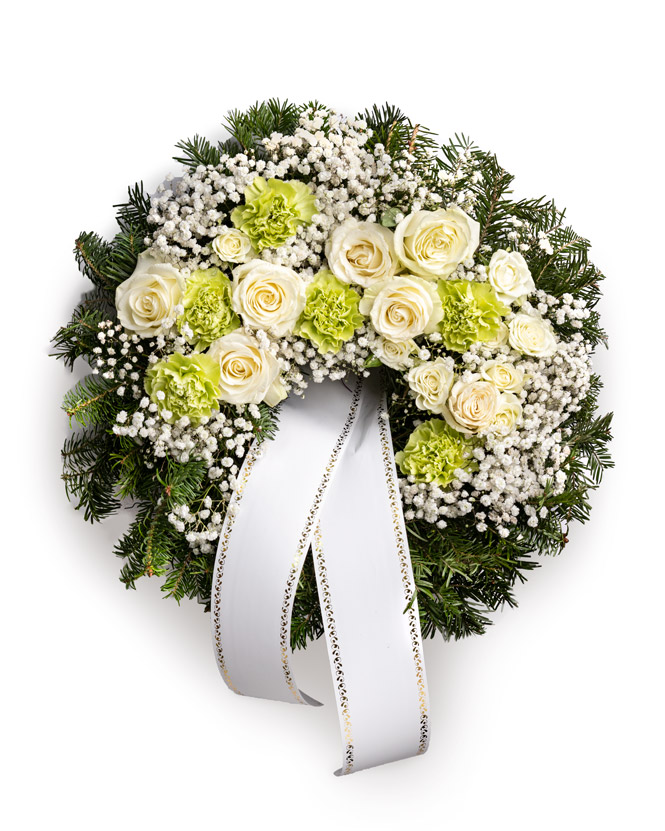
{"points": [[266, 536], [366, 590]]}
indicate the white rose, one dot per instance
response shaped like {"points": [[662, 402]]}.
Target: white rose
{"points": [[508, 414], [361, 253], [395, 354], [233, 246], [402, 308], [532, 336], [431, 381], [268, 296], [248, 374], [472, 406], [146, 301], [505, 377], [509, 276], [433, 243]]}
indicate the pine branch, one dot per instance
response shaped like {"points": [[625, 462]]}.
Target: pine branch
{"points": [[148, 545], [134, 476], [78, 338], [266, 426], [461, 576], [492, 208], [92, 255], [88, 473], [590, 442], [126, 247], [395, 131], [197, 151], [249, 128], [133, 214], [306, 621], [93, 401], [152, 546]]}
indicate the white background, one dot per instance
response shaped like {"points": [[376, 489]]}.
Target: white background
{"points": [[113, 711]]}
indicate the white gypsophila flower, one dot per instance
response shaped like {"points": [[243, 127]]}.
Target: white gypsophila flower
{"points": [[508, 414], [361, 253], [431, 382], [147, 300], [248, 373], [504, 375], [268, 296], [509, 275], [395, 354], [233, 246], [532, 335], [472, 406], [433, 243], [401, 308]]}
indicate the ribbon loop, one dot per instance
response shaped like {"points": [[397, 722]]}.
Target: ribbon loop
{"points": [[327, 480]]}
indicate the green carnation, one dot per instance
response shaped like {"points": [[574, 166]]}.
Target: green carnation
{"points": [[273, 210], [331, 315], [434, 452], [208, 311], [471, 313], [184, 385]]}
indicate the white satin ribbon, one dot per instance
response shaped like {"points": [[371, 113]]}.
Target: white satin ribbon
{"points": [[327, 480]]}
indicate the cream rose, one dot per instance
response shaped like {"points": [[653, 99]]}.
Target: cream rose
{"points": [[472, 406], [361, 253], [233, 246], [509, 276], [248, 374], [268, 296], [532, 336], [433, 243], [508, 414], [431, 381], [146, 301], [505, 377], [395, 354], [402, 308]]}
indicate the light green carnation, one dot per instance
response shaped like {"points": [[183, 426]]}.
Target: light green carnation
{"points": [[434, 452], [273, 210], [184, 385], [472, 313], [331, 315], [208, 311]]}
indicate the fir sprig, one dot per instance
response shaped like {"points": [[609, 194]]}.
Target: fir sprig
{"points": [[92, 256], [247, 129], [152, 546], [78, 338], [399, 135], [92, 401], [87, 460], [197, 151]]}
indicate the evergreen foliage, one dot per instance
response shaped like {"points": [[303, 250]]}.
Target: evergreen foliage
{"points": [[197, 151], [395, 131], [79, 337], [87, 470]]}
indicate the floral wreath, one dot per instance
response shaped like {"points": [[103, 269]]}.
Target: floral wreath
{"points": [[311, 247]]}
